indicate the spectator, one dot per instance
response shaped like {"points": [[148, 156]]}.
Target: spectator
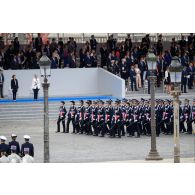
{"points": [[1, 58], [87, 60], [53, 45], [1, 83], [182, 44], [184, 80], [38, 43], [14, 86], [143, 68], [104, 55], [16, 46], [47, 50], [2, 45], [55, 60], [138, 77], [128, 43], [93, 59], [190, 39], [191, 72], [36, 86], [93, 43], [159, 65], [132, 75], [167, 80]]}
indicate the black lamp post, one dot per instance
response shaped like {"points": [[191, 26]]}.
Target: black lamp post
{"points": [[45, 71], [153, 154]]}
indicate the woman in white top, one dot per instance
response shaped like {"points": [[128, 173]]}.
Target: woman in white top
{"points": [[167, 80], [138, 77], [36, 86]]}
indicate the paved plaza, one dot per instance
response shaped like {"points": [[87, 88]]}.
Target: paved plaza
{"points": [[82, 148]]}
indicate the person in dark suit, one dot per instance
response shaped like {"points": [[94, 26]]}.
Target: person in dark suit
{"points": [[132, 75], [93, 43], [14, 86], [38, 43], [27, 146], [16, 45], [1, 82]]}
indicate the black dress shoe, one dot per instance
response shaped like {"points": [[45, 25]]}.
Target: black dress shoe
{"points": [[101, 135], [57, 131]]}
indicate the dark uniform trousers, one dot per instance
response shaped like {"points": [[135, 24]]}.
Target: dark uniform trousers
{"points": [[71, 119], [58, 124]]}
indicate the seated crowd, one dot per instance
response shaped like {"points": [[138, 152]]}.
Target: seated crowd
{"points": [[125, 59]]}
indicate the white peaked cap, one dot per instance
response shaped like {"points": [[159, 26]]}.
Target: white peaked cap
{"points": [[3, 138], [26, 137]]}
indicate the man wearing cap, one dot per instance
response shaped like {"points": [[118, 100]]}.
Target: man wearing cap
{"points": [[193, 112], [187, 116], [79, 117], [14, 143], [13, 157], [61, 117], [108, 116], [116, 120], [27, 146], [71, 116], [86, 118], [100, 119], [1, 83], [4, 158], [94, 109], [3, 146]]}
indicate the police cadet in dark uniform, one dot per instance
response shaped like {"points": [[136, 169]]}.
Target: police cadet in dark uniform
{"points": [[86, 118], [100, 119], [124, 112], [14, 143], [171, 120], [71, 116], [193, 112], [80, 117], [108, 115], [116, 120], [165, 117], [181, 119], [3, 146], [135, 125], [141, 108], [159, 113], [27, 146], [129, 119], [61, 117], [147, 119], [94, 109], [187, 115]]}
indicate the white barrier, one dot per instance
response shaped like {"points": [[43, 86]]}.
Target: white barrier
{"points": [[69, 82]]}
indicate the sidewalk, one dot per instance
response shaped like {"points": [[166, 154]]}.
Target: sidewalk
{"points": [[169, 160]]}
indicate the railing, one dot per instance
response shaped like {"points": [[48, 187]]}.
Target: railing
{"points": [[24, 38]]}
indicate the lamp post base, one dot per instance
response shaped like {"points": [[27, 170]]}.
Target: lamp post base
{"points": [[153, 155]]}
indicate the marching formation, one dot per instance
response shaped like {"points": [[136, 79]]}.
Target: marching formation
{"points": [[126, 117], [12, 153]]}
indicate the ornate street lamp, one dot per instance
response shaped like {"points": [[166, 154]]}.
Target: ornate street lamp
{"points": [[153, 154], [176, 74], [45, 71]]}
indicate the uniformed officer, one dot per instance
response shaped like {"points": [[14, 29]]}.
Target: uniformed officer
{"points": [[94, 109], [147, 119], [3, 146], [14, 143], [62, 117], [4, 158], [193, 112], [79, 122], [101, 119], [166, 117], [129, 118], [116, 120], [108, 115], [87, 119], [71, 116], [13, 157], [187, 116], [27, 146], [27, 157]]}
